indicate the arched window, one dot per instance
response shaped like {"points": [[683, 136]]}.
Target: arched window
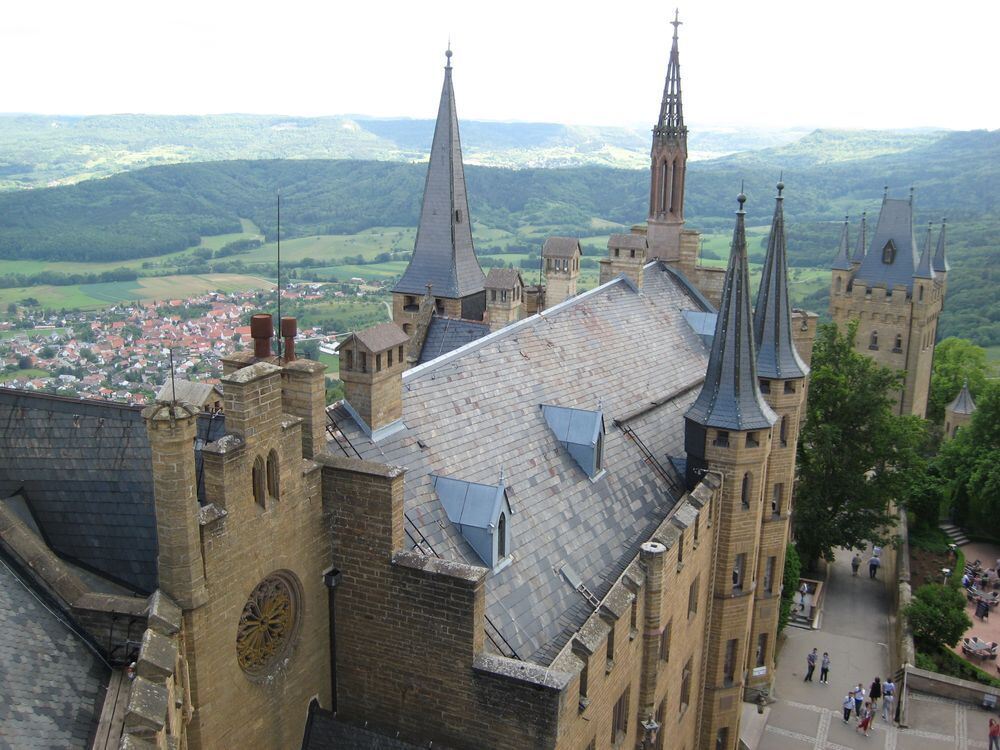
{"points": [[272, 474], [259, 487], [838, 284], [921, 295], [783, 431], [664, 179], [873, 340], [502, 537], [676, 174], [745, 491]]}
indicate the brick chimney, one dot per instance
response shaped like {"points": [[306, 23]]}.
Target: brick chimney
{"points": [[626, 255], [372, 362]]}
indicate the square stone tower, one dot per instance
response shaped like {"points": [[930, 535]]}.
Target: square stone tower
{"points": [[372, 362], [505, 299], [626, 255], [561, 256]]}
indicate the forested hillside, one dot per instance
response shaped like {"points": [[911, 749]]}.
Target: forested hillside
{"points": [[158, 210]]}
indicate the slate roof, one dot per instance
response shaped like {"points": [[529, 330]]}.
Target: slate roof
{"points": [[843, 261], [772, 315], [730, 399], [862, 246], [924, 268], [447, 334], [963, 403], [324, 732], [670, 123], [83, 468], [941, 264], [561, 247], [53, 684], [380, 337], [503, 278], [444, 255], [477, 408], [185, 390], [895, 223]]}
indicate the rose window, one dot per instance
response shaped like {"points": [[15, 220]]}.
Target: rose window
{"points": [[268, 624]]}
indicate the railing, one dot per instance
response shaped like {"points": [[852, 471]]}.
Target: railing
{"points": [[655, 465]]}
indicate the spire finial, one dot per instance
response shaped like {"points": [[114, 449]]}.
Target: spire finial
{"points": [[885, 192], [676, 22], [448, 53], [781, 183], [911, 194], [741, 198]]}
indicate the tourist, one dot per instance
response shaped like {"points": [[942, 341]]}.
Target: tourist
{"points": [[855, 563], [873, 566], [824, 669], [966, 581], [848, 705], [875, 692], [866, 718], [994, 735], [876, 551], [888, 697], [859, 699], [811, 665]]}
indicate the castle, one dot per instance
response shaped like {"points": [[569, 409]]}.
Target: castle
{"points": [[896, 293], [538, 518]]}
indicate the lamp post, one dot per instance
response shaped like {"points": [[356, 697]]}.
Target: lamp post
{"points": [[945, 572]]}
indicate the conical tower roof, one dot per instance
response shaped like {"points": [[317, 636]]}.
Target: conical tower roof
{"points": [[730, 398], [671, 121], [963, 403], [862, 246], [772, 315], [843, 260], [941, 264], [924, 269], [443, 255], [892, 252]]}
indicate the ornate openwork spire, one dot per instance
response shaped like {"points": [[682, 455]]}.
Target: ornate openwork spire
{"points": [[862, 247], [730, 398], [443, 254], [941, 264], [843, 262], [671, 122], [924, 269], [772, 316]]}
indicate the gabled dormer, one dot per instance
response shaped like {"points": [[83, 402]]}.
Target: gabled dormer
{"points": [[581, 433], [482, 513]]}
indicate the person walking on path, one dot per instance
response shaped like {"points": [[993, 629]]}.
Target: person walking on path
{"points": [[873, 567], [855, 563], [866, 718], [888, 698], [994, 735], [810, 665], [859, 699], [848, 705], [875, 692], [824, 669]]}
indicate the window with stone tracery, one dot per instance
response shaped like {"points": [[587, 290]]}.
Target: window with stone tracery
{"points": [[269, 624]]}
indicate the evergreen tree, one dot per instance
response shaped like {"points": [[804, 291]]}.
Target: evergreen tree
{"points": [[855, 455]]}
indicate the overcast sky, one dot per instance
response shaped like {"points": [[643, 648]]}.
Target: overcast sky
{"points": [[871, 64]]}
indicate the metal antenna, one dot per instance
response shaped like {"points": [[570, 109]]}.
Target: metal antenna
{"points": [[173, 384], [278, 337]]}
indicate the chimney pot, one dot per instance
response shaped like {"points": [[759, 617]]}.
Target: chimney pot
{"points": [[289, 329], [261, 329]]}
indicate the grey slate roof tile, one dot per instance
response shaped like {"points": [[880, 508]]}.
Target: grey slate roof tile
{"points": [[477, 409], [561, 247], [447, 334], [895, 224], [52, 682]]}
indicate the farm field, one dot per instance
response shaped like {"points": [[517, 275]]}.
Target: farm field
{"points": [[30, 333], [95, 296], [21, 374]]}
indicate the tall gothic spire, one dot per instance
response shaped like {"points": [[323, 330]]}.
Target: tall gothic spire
{"points": [[730, 398], [862, 247], [924, 267], [843, 260], [772, 315], [443, 255], [941, 264], [671, 122]]}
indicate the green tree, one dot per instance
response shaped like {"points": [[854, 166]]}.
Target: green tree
{"points": [[955, 360], [937, 616], [789, 585], [969, 465], [12, 309], [855, 454]]}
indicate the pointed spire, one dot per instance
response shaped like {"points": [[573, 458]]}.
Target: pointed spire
{"points": [[862, 247], [941, 264], [772, 315], [843, 262], [443, 254], [924, 269], [963, 403], [730, 398], [671, 121]]}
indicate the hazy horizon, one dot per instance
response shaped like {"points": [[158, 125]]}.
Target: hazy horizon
{"points": [[789, 65]]}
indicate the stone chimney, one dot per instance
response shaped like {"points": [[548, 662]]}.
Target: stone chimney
{"points": [[626, 255], [562, 268], [372, 362], [171, 430], [504, 297]]}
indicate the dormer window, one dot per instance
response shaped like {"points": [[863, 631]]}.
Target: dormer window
{"points": [[481, 512], [502, 537], [889, 253], [581, 433]]}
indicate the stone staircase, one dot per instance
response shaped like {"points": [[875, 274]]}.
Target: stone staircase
{"points": [[954, 533]]}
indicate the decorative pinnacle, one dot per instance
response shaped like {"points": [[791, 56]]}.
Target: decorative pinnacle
{"points": [[885, 192], [781, 184], [447, 54], [741, 198], [675, 23]]}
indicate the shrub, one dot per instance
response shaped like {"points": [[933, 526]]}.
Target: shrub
{"points": [[937, 616], [790, 584]]}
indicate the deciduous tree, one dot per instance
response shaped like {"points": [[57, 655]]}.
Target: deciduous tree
{"points": [[937, 615], [955, 361]]}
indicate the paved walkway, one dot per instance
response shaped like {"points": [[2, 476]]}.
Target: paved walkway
{"points": [[854, 631]]}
